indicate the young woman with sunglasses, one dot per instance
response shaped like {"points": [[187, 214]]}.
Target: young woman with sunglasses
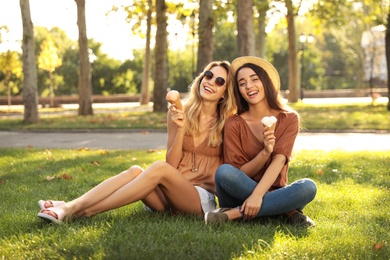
{"points": [[253, 182], [183, 183]]}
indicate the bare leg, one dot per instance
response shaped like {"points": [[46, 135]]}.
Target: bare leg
{"points": [[157, 201], [99, 192], [154, 200], [177, 190]]}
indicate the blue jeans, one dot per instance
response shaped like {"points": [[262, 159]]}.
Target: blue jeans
{"points": [[234, 187]]}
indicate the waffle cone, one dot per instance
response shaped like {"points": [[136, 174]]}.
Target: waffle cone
{"points": [[272, 127], [173, 97]]}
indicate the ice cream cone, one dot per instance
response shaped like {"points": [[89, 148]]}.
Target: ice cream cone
{"points": [[272, 127], [270, 122], [173, 97]]}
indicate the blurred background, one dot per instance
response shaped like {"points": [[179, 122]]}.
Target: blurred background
{"points": [[320, 48]]}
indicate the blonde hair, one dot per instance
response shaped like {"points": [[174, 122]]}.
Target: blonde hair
{"points": [[226, 107]]}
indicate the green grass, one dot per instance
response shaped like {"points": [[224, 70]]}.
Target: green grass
{"points": [[108, 120], [344, 117], [336, 117], [351, 211]]}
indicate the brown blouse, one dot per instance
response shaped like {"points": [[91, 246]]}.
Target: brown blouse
{"points": [[241, 145], [199, 164]]}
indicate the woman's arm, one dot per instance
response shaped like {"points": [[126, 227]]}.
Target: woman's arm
{"points": [[252, 167], [270, 175], [252, 204], [176, 122]]}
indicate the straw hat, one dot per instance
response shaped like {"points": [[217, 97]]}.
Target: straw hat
{"points": [[268, 67]]}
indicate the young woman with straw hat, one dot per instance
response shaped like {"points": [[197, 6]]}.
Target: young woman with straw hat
{"points": [[253, 181]]}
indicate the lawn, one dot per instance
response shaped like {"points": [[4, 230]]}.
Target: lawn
{"points": [[322, 117], [344, 117], [351, 211]]}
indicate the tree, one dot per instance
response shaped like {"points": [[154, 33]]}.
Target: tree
{"points": [[205, 33], [161, 62], [245, 28], [387, 43], [65, 78], [145, 95], [30, 90], [85, 77], [262, 6], [136, 13], [336, 18], [293, 86], [10, 65], [49, 61]]}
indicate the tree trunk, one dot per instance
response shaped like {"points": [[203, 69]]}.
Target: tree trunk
{"points": [[206, 43], [30, 89], [246, 33], [161, 63], [7, 78], [262, 36], [387, 44], [85, 77], [293, 86], [51, 89], [145, 96]]}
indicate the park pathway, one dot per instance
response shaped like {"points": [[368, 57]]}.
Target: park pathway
{"points": [[158, 140]]}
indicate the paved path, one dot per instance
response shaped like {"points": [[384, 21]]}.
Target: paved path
{"points": [[157, 140]]}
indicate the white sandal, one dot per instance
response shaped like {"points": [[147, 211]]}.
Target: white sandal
{"points": [[55, 203], [60, 215]]}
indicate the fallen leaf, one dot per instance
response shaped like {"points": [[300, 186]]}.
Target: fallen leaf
{"points": [[96, 163], [378, 246], [1, 182], [320, 172], [49, 178], [67, 177]]}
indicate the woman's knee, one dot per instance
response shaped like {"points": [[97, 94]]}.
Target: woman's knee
{"points": [[310, 188], [225, 173], [160, 166], [132, 172], [158, 169]]}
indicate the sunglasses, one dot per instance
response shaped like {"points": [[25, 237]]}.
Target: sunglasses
{"points": [[218, 80]]}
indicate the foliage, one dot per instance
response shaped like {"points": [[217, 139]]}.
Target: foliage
{"points": [[351, 211], [332, 62], [181, 71], [225, 42], [48, 59], [10, 72], [277, 52]]}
